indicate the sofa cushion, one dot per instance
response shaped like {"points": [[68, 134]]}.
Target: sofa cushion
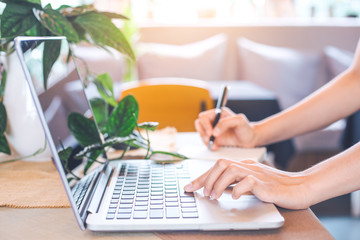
{"points": [[289, 73], [337, 60], [199, 60]]}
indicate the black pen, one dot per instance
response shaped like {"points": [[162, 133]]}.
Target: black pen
{"points": [[219, 105]]}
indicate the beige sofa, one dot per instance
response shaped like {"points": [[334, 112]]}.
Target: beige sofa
{"points": [[291, 59]]}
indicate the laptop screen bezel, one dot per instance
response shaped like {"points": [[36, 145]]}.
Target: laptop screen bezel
{"points": [[81, 218]]}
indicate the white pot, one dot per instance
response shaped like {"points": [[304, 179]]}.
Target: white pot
{"points": [[24, 131]]}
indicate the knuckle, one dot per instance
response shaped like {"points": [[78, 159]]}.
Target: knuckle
{"points": [[222, 163]]}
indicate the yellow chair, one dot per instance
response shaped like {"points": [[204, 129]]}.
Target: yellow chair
{"points": [[174, 102]]}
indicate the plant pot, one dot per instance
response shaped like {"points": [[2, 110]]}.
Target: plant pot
{"points": [[24, 131]]}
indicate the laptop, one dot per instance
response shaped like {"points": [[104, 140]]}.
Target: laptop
{"points": [[125, 195]]}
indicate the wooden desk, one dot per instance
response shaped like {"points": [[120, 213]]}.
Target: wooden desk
{"points": [[59, 223]]}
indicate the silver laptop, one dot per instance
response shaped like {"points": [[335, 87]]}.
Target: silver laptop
{"points": [[131, 195]]}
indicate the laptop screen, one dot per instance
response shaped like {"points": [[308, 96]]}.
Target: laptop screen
{"points": [[63, 107]]}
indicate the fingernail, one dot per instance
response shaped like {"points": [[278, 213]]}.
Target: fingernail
{"points": [[216, 131], [213, 195], [188, 187], [206, 192]]}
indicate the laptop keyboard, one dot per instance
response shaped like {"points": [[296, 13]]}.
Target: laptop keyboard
{"points": [[152, 191]]}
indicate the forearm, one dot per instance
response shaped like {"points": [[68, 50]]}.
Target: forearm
{"points": [[334, 101], [334, 177]]}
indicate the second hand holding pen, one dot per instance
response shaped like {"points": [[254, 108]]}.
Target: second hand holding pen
{"points": [[219, 105]]}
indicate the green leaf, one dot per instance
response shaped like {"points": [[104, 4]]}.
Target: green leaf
{"points": [[4, 145], [92, 158], [2, 83], [50, 55], [101, 111], [103, 31], [58, 24], [148, 125], [16, 20], [69, 11], [3, 118], [123, 118], [98, 146], [114, 15], [83, 129], [174, 154], [64, 156], [104, 85]]}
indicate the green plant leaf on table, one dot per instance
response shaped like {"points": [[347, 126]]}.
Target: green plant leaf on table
{"points": [[83, 129], [104, 85], [148, 125], [104, 32], [58, 24], [64, 156], [2, 83], [101, 112], [123, 119], [91, 159], [4, 145], [99, 146], [16, 20], [51, 53], [3, 118]]}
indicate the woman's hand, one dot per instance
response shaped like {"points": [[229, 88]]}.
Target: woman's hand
{"points": [[285, 189], [232, 129]]}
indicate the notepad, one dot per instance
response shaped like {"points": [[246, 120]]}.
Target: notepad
{"points": [[233, 153]]}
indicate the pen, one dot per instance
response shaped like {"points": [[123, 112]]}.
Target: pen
{"points": [[219, 105]]}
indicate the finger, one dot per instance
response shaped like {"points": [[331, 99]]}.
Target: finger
{"points": [[225, 124], [247, 184], [206, 118], [214, 174], [233, 173], [197, 183], [199, 128]]}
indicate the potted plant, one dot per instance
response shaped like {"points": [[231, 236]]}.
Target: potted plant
{"points": [[83, 23], [29, 18]]}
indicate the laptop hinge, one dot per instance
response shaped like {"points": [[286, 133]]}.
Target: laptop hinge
{"points": [[100, 190]]}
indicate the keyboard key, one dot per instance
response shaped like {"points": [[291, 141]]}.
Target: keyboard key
{"points": [[113, 206], [142, 194], [189, 210], [141, 203], [125, 210], [171, 195], [110, 216], [172, 204], [140, 208], [125, 206], [171, 199], [186, 194], [112, 210], [172, 212], [142, 198], [156, 197], [156, 202], [156, 193], [156, 213], [123, 216], [140, 215], [128, 193], [188, 205], [142, 190], [126, 201], [190, 215], [129, 188], [187, 200], [156, 206], [127, 197]]}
